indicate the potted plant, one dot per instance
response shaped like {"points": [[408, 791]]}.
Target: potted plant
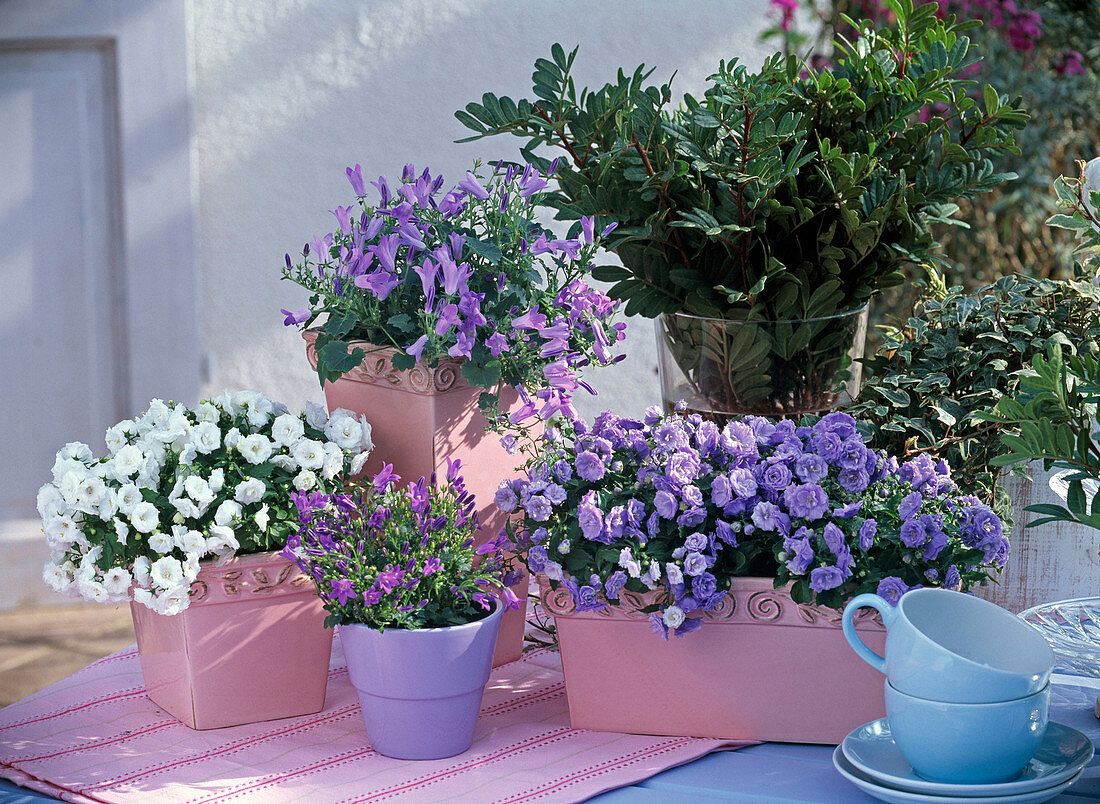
{"points": [[182, 519], [447, 313], [754, 536], [757, 221], [1049, 425], [418, 617]]}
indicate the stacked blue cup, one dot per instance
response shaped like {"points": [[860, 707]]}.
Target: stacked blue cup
{"points": [[967, 684]]}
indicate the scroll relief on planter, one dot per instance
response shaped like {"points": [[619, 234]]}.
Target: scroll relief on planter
{"points": [[746, 605], [376, 369], [217, 586]]}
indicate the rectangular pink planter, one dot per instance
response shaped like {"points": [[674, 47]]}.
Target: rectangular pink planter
{"points": [[760, 668], [252, 646], [418, 419]]}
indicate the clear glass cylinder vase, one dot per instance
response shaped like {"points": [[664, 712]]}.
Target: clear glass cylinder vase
{"points": [[722, 368]]}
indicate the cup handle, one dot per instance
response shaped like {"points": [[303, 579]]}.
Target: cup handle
{"points": [[880, 605]]}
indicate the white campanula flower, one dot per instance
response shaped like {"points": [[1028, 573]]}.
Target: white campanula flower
{"points": [[173, 601], [149, 473], [286, 430], [334, 461], [208, 412], [259, 410], [1091, 185], [198, 490], [249, 491], [241, 400], [61, 530], [117, 581], [305, 480], [188, 454], [674, 573], [127, 462], [344, 429], [232, 438], [145, 597], [155, 418], [161, 542], [69, 485], [129, 495], [673, 616], [192, 542], [64, 466], [191, 564], [228, 512], [49, 502], [256, 448], [141, 570], [263, 517], [206, 437], [176, 431], [358, 462], [221, 540], [309, 454], [108, 506], [93, 590], [224, 402], [56, 578], [368, 442], [316, 415], [90, 494], [77, 451], [187, 508], [216, 480], [285, 462], [166, 572], [119, 435], [122, 531], [145, 517]]}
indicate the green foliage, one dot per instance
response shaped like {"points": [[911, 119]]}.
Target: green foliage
{"points": [[782, 194], [1053, 419], [934, 383]]}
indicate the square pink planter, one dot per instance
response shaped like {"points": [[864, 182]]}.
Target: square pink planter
{"points": [[252, 646], [760, 668], [419, 418]]}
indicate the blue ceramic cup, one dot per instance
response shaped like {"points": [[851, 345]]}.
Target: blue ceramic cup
{"points": [[949, 646], [967, 743]]}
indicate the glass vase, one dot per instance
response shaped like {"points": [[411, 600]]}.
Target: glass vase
{"points": [[722, 368]]}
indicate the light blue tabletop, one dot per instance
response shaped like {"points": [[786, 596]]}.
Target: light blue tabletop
{"points": [[783, 772]]}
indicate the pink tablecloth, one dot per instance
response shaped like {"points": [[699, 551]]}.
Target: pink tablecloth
{"points": [[96, 737]]}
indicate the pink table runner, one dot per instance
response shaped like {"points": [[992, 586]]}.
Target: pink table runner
{"points": [[95, 737]]}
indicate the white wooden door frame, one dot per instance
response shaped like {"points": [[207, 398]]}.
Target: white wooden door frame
{"points": [[158, 276]]}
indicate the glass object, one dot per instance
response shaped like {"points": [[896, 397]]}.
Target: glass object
{"points": [[722, 368], [1072, 627]]}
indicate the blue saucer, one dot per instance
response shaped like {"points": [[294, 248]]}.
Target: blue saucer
{"points": [[870, 749]]}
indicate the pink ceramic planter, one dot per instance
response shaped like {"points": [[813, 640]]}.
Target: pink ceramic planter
{"points": [[252, 646], [760, 668], [419, 418]]}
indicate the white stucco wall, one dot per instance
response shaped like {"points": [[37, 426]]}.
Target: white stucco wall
{"points": [[288, 94]]}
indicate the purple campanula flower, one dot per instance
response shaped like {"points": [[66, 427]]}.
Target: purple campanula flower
{"points": [[590, 467], [472, 186], [703, 586], [538, 508], [767, 516], [294, 318], [848, 511], [824, 578], [951, 578], [509, 443], [554, 493], [683, 466], [776, 476], [742, 483], [341, 591], [666, 504], [891, 589], [811, 468], [691, 517], [695, 563], [853, 454], [937, 540], [562, 471], [834, 538], [416, 349], [390, 580], [590, 518], [721, 492], [692, 496], [913, 533], [356, 178], [724, 533], [837, 422], [497, 344], [910, 505], [653, 524], [635, 512], [614, 585], [854, 480], [588, 599], [801, 555], [867, 533], [696, 542], [506, 499], [807, 501], [674, 574], [827, 445], [431, 566]]}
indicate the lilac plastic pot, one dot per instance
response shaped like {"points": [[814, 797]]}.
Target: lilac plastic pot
{"points": [[420, 691]]}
